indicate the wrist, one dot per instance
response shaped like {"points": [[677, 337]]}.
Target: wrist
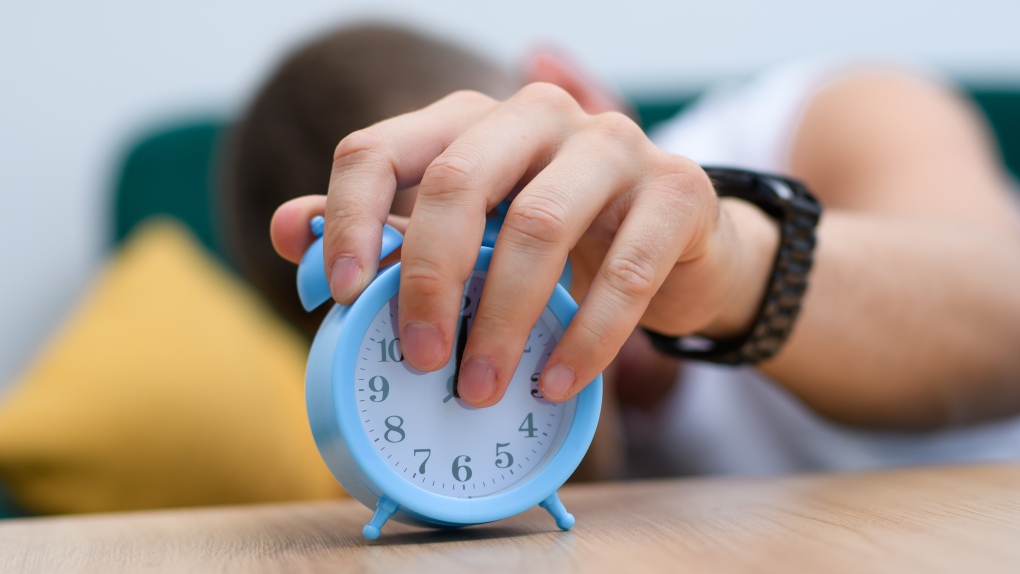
{"points": [[742, 242], [750, 239]]}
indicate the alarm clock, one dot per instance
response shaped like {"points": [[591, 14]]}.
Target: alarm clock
{"points": [[401, 442]]}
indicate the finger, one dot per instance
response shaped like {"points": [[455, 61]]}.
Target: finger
{"points": [[546, 219], [290, 231], [368, 167], [289, 228], [398, 222], [664, 223], [469, 178]]}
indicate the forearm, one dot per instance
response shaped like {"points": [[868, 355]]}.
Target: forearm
{"points": [[907, 323]]}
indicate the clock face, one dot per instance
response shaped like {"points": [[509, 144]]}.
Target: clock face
{"points": [[435, 441]]}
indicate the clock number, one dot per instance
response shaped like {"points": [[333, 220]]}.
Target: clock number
{"points": [[392, 350], [509, 457], [384, 389], [534, 387], [528, 348], [457, 468], [428, 453], [528, 426], [394, 428]]}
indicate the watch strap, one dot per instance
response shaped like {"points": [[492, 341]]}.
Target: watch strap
{"points": [[797, 212]]}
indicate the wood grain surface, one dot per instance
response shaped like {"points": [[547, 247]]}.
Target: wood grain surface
{"points": [[962, 519]]}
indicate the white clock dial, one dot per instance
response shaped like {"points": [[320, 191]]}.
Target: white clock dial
{"points": [[436, 441]]}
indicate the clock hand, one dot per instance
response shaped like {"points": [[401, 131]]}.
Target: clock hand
{"points": [[461, 344]]}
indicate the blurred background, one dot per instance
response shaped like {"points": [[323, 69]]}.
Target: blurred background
{"points": [[80, 82]]}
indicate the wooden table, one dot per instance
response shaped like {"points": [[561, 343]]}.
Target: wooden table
{"points": [[964, 519]]}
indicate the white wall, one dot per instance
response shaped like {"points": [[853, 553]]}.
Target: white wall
{"points": [[77, 79]]}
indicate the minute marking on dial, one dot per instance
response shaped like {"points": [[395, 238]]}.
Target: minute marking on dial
{"points": [[450, 428]]}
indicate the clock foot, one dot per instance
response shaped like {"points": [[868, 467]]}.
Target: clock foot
{"points": [[563, 518], [383, 511]]}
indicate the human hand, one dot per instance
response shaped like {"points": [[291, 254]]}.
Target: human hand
{"points": [[650, 242]]}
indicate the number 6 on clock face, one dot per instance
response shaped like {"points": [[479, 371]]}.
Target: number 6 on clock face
{"points": [[475, 452], [400, 440]]}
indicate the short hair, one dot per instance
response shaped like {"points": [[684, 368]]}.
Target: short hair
{"points": [[283, 145]]}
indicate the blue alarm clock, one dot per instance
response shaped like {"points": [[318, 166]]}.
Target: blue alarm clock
{"points": [[401, 442]]}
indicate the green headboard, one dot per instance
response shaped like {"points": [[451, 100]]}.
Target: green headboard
{"points": [[172, 170]]}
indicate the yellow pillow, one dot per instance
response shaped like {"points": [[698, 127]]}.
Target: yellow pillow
{"points": [[172, 385]]}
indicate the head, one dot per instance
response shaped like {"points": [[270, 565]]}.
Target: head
{"points": [[283, 145], [347, 80]]}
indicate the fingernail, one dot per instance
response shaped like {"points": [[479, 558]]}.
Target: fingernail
{"points": [[343, 280], [423, 345], [477, 380], [557, 380]]}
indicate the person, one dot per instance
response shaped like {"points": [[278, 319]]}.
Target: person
{"points": [[911, 319], [174, 383], [282, 147]]}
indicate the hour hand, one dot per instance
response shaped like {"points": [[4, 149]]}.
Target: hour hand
{"points": [[462, 334]]}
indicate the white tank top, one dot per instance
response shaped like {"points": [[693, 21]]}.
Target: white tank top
{"points": [[735, 420]]}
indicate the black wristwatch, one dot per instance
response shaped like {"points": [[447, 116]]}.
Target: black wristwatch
{"points": [[797, 212]]}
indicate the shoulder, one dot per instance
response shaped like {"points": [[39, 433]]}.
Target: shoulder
{"points": [[900, 141], [750, 123]]}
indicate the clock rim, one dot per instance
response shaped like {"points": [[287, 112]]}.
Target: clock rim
{"points": [[373, 477]]}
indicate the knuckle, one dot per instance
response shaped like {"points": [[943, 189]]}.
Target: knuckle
{"points": [[616, 138], [354, 220], [683, 174], [700, 183], [595, 326], [537, 219], [617, 127], [422, 276], [630, 276], [448, 170], [498, 319], [450, 173], [682, 185], [468, 98], [357, 145], [548, 96]]}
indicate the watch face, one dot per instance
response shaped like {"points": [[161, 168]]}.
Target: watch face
{"points": [[435, 441]]}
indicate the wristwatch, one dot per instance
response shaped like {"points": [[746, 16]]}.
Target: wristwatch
{"points": [[788, 202]]}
